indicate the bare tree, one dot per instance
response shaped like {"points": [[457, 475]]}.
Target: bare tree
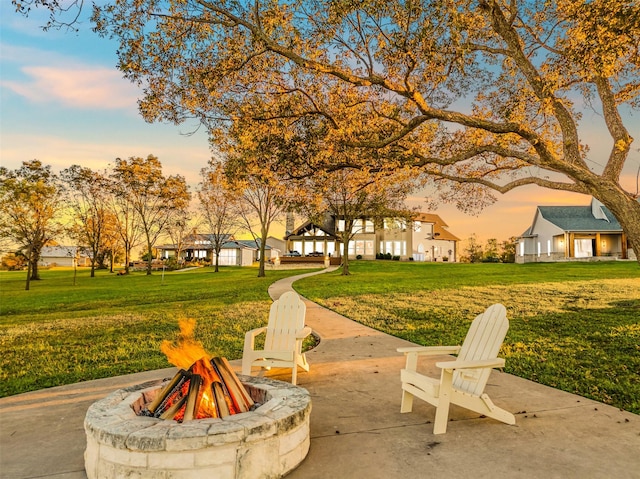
{"points": [[219, 204], [152, 196], [88, 193]]}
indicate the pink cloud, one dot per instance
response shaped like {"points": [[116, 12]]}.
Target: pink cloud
{"points": [[76, 87]]}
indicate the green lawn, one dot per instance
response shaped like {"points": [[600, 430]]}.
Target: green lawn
{"points": [[58, 333], [573, 326]]}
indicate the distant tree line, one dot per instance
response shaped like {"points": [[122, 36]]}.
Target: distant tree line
{"points": [[132, 203], [493, 251]]}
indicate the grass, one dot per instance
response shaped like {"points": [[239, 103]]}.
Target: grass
{"points": [[58, 333], [574, 326]]}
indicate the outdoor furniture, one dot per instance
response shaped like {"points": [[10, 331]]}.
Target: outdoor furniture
{"points": [[463, 379], [284, 334]]}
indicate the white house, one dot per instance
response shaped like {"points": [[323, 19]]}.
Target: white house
{"points": [[423, 238], [562, 233]]}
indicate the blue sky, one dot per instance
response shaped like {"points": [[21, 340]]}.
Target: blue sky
{"points": [[62, 101]]}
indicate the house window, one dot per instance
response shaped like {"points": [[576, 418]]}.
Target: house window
{"points": [[538, 244], [340, 225], [361, 247], [399, 248], [395, 224], [417, 226], [521, 248], [368, 226], [548, 247], [368, 248]]}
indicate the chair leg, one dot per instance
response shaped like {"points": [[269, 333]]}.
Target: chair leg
{"points": [[444, 399], [407, 402], [294, 374]]}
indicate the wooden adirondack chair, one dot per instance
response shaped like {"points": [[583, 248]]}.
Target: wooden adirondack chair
{"points": [[462, 380], [285, 332]]}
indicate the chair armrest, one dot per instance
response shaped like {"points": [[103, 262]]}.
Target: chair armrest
{"points": [[484, 363], [412, 353], [303, 333], [429, 350], [250, 335]]}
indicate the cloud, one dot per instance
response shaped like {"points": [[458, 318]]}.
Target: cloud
{"points": [[178, 154], [74, 86]]}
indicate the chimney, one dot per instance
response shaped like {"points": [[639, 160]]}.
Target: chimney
{"points": [[289, 225]]}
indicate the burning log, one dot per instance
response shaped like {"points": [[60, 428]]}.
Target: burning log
{"points": [[193, 398], [239, 395], [210, 388]]}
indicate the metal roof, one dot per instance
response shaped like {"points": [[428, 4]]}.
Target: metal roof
{"points": [[579, 218]]}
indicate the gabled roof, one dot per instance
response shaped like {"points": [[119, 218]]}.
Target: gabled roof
{"points": [[309, 226], [579, 218], [249, 244], [439, 226]]}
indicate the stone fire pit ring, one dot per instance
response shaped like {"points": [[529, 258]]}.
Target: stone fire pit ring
{"points": [[265, 443]]}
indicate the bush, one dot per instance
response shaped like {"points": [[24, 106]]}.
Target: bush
{"points": [[359, 256]]}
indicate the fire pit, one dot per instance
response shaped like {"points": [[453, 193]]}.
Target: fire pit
{"points": [[266, 442]]}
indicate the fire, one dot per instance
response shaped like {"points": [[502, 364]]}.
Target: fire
{"points": [[187, 350], [206, 386], [189, 353]]}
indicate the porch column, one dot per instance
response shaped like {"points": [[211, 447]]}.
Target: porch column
{"points": [[570, 245], [598, 251], [623, 238]]}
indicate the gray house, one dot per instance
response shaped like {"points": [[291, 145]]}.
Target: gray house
{"points": [[563, 233], [64, 256], [199, 247]]}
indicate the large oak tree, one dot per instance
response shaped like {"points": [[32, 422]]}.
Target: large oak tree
{"points": [[485, 95]]}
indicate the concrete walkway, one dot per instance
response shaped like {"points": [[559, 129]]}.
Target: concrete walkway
{"points": [[357, 430]]}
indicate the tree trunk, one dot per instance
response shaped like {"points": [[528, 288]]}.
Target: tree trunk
{"points": [[28, 273], [127, 257], [627, 212], [35, 275], [261, 272], [149, 257], [345, 257], [94, 260]]}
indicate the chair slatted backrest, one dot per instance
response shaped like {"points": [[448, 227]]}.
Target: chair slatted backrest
{"points": [[286, 318], [483, 341]]}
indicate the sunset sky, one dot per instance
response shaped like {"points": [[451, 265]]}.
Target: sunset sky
{"points": [[63, 102]]}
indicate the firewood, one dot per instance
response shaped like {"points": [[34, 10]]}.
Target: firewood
{"points": [[221, 401], [179, 378], [236, 389], [193, 398], [174, 409]]}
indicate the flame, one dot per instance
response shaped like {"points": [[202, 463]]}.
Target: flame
{"points": [[187, 350], [189, 353]]}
